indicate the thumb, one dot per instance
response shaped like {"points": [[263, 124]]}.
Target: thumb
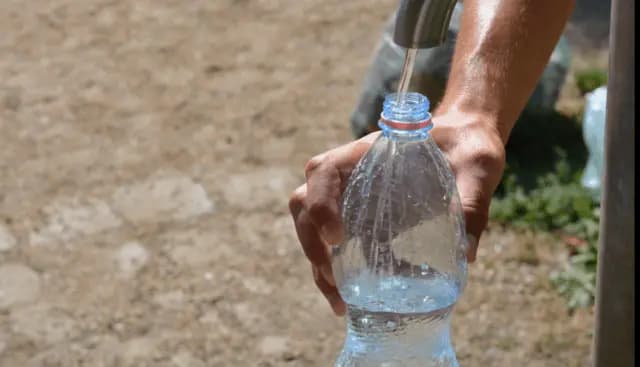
{"points": [[475, 206], [476, 221]]}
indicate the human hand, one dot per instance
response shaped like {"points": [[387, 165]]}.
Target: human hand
{"points": [[473, 149]]}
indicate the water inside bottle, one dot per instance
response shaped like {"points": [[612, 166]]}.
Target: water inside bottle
{"points": [[399, 321]]}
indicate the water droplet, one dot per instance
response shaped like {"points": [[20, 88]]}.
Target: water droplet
{"points": [[428, 301], [424, 269], [365, 321], [356, 290]]}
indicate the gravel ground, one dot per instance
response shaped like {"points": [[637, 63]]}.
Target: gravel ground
{"points": [[147, 153]]}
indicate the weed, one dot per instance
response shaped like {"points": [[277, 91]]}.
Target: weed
{"points": [[557, 204], [590, 79]]}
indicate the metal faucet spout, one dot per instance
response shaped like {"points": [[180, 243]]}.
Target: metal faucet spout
{"points": [[422, 23]]}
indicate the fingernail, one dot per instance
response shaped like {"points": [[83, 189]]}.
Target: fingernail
{"points": [[327, 274], [337, 305], [301, 190], [339, 308]]}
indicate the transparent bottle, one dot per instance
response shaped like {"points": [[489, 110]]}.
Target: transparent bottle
{"points": [[403, 264]]}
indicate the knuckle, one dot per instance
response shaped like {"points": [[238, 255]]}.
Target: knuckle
{"points": [[316, 274], [296, 200], [476, 211], [489, 150], [319, 209], [476, 214], [317, 277], [476, 204], [492, 158], [320, 282], [314, 163]]}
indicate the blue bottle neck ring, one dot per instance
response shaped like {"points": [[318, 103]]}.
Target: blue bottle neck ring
{"points": [[405, 115]]}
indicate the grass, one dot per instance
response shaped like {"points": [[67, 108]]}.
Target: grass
{"points": [[590, 79]]}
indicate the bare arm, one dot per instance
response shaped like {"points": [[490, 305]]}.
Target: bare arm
{"points": [[502, 49]]}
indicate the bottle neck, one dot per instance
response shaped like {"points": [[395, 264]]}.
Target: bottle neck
{"points": [[405, 117], [407, 131]]}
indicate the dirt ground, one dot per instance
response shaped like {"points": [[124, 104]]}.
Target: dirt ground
{"points": [[147, 150]]}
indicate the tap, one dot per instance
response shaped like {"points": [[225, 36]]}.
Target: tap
{"points": [[422, 23]]}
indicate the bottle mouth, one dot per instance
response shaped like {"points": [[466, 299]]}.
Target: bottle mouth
{"points": [[404, 125], [405, 112]]}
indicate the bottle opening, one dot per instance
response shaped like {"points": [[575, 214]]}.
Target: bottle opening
{"points": [[405, 112]]}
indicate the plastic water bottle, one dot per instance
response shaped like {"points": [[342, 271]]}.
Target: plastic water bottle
{"points": [[593, 128], [403, 264]]}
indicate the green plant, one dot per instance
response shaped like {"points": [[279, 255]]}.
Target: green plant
{"points": [[577, 282], [559, 204], [590, 79], [556, 202]]}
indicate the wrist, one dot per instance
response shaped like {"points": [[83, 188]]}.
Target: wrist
{"points": [[475, 118], [470, 138]]}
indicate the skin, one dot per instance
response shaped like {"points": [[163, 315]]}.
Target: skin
{"points": [[502, 49]]}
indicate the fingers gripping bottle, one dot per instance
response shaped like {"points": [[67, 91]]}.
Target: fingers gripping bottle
{"points": [[402, 265]]}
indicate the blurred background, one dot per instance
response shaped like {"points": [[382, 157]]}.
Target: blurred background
{"points": [[147, 152]]}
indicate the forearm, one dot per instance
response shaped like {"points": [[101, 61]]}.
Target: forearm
{"points": [[501, 51]]}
